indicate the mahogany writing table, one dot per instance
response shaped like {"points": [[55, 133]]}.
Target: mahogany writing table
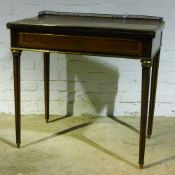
{"points": [[131, 36]]}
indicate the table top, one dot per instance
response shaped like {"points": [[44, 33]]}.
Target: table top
{"points": [[55, 20]]}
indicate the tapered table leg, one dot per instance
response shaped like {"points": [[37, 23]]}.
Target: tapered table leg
{"points": [[146, 64], [16, 71], [46, 84], [154, 78]]}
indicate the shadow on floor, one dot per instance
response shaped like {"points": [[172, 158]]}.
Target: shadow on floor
{"points": [[57, 119], [124, 124], [168, 159], [7, 142], [84, 139], [103, 149], [81, 137], [58, 133]]}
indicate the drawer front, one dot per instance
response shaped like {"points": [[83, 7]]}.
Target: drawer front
{"points": [[82, 44]]}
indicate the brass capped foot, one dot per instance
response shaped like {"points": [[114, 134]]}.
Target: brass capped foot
{"points": [[18, 145], [140, 166]]}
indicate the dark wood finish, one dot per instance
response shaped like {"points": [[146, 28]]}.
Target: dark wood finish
{"points": [[131, 36], [143, 26], [144, 108], [46, 84], [154, 78], [16, 72], [81, 44], [139, 34]]}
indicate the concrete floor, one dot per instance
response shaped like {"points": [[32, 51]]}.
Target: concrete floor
{"points": [[85, 145]]}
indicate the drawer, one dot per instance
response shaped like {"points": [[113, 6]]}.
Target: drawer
{"points": [[80, 44]]}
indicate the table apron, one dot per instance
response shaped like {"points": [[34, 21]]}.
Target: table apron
{"points": [[82, 44]]}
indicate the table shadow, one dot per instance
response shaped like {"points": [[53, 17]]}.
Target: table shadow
{"points": [[103, 149], [98, 80], [68, 130], [168, 159], [114, 155], [57, 119], [7, 142], [124, 124]]}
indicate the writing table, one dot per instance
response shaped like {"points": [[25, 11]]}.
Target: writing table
{"points": [[128, 36]]}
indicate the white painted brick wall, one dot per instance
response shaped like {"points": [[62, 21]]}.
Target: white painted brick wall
{"points": [[95, 83]]}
